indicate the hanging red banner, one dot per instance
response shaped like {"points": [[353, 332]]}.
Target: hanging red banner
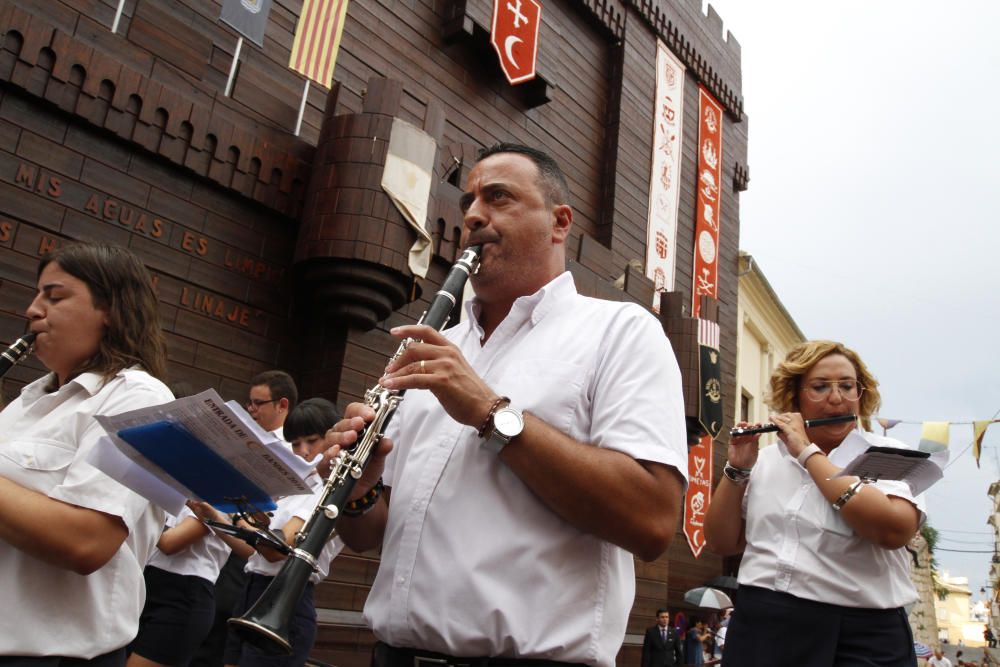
{"points": [[706, 282], [514, 36], [707, 210]]}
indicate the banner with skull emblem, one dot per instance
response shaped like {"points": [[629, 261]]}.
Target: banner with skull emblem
{"points": [[709, 378]]}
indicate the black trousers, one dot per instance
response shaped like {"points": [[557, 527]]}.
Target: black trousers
{"points": [[384, 655], [770, 629], [115, 658]]}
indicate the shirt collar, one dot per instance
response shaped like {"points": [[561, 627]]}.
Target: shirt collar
{"points": [[536, 305], [89, 382]]}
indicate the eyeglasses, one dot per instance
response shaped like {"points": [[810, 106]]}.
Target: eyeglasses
{"points": [[255, 403], [819, 390]]}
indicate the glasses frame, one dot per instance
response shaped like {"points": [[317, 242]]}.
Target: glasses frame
{"points": [[256, 403], [805, 389]]}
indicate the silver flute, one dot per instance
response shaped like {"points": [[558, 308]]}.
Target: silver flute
{"points": [[16, 353], [266, 625]]}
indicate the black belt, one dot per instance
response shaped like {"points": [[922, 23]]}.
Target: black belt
{"points": [[390, 656]]}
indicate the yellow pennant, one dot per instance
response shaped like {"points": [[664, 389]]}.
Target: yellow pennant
{"points": [[934, 437], [978, 431]]}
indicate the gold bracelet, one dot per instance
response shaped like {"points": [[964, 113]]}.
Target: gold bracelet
{"points": [[847, 495]]}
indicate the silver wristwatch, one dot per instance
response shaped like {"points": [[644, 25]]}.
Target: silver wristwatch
{"points": [[506, 424]]}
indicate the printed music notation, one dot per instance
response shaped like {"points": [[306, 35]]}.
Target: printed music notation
{"points": [[198, 447]]}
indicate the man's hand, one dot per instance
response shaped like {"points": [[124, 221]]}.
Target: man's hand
{"points": [[344, 435], [434, 363]]}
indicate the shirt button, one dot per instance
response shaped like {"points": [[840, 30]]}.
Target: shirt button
{"points": [[401, 580]]}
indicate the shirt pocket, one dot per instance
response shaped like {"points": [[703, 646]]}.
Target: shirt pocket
{"points": [[550, 390], [40, 455], [39, 465]]}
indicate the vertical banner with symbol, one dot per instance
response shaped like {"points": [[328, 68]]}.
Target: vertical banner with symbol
{"points": [[706, 282], [514, 36], [664, 181], [707, 208]]}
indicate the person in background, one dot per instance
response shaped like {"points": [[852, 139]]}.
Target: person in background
{"points": [[824, 575], [305, 428], [180, 593], [661, 647], [73, 541], [694, 644], [938, 659], [270, 397]]}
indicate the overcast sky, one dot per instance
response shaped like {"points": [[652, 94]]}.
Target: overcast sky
{"points": [[874, 211]]}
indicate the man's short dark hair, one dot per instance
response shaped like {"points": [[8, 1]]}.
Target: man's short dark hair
{"points": [[555, 188], [662, 611], [281, 385]]}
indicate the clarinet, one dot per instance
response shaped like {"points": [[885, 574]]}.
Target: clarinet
{"points": [[16, 353], [266, 625]]}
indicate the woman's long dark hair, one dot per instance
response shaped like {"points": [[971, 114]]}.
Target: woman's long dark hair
{"points": [[121, 286]]}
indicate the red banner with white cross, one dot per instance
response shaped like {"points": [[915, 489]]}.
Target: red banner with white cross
{"points": [[514, 36]]}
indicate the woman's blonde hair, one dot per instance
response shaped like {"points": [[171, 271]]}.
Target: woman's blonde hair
{"points": [[787, 377]]}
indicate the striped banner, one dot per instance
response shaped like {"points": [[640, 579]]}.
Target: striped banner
{"points": [[317, 39]]}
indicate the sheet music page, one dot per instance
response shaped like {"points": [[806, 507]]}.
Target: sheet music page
{"points": [[227, 430], [919, 474]]}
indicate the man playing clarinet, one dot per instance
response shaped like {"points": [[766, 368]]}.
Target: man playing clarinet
{"points": [[540, 445]]}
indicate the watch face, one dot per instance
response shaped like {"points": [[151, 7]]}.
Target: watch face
{"points": [[508, 422]]}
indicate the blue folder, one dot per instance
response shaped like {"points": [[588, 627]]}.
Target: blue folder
{"points": [[192, 463]]}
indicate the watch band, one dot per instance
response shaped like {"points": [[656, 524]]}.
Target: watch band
{"points": [[488, 423], [847, 495], [497, 437], [738, 476], [807, 452]]}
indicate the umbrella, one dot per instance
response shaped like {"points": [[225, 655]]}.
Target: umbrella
{"points": [[703, 596], [923, 651], [724, 582]]}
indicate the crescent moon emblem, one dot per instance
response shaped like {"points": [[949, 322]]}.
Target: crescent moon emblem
{"points": [[508, 47]]}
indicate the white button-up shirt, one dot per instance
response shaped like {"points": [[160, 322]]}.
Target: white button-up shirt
{"points": [[44, 440], [473, 564], [202, 558], [798, 544]]}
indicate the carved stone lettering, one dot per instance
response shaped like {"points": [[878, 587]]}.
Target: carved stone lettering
{"points": [[6, 230], [216, 307], [115, 211], [47, 244], [31, 178], [194, 243], [252, 266]]}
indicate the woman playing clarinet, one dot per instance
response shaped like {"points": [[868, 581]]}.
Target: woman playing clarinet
{"points": [[73, 542]]}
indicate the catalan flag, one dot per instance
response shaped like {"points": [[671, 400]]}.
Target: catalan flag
{"points": [[317, 39]]}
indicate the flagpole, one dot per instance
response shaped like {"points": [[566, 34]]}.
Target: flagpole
{"points": [[302, 107], [232, 68], [118, 15]]}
